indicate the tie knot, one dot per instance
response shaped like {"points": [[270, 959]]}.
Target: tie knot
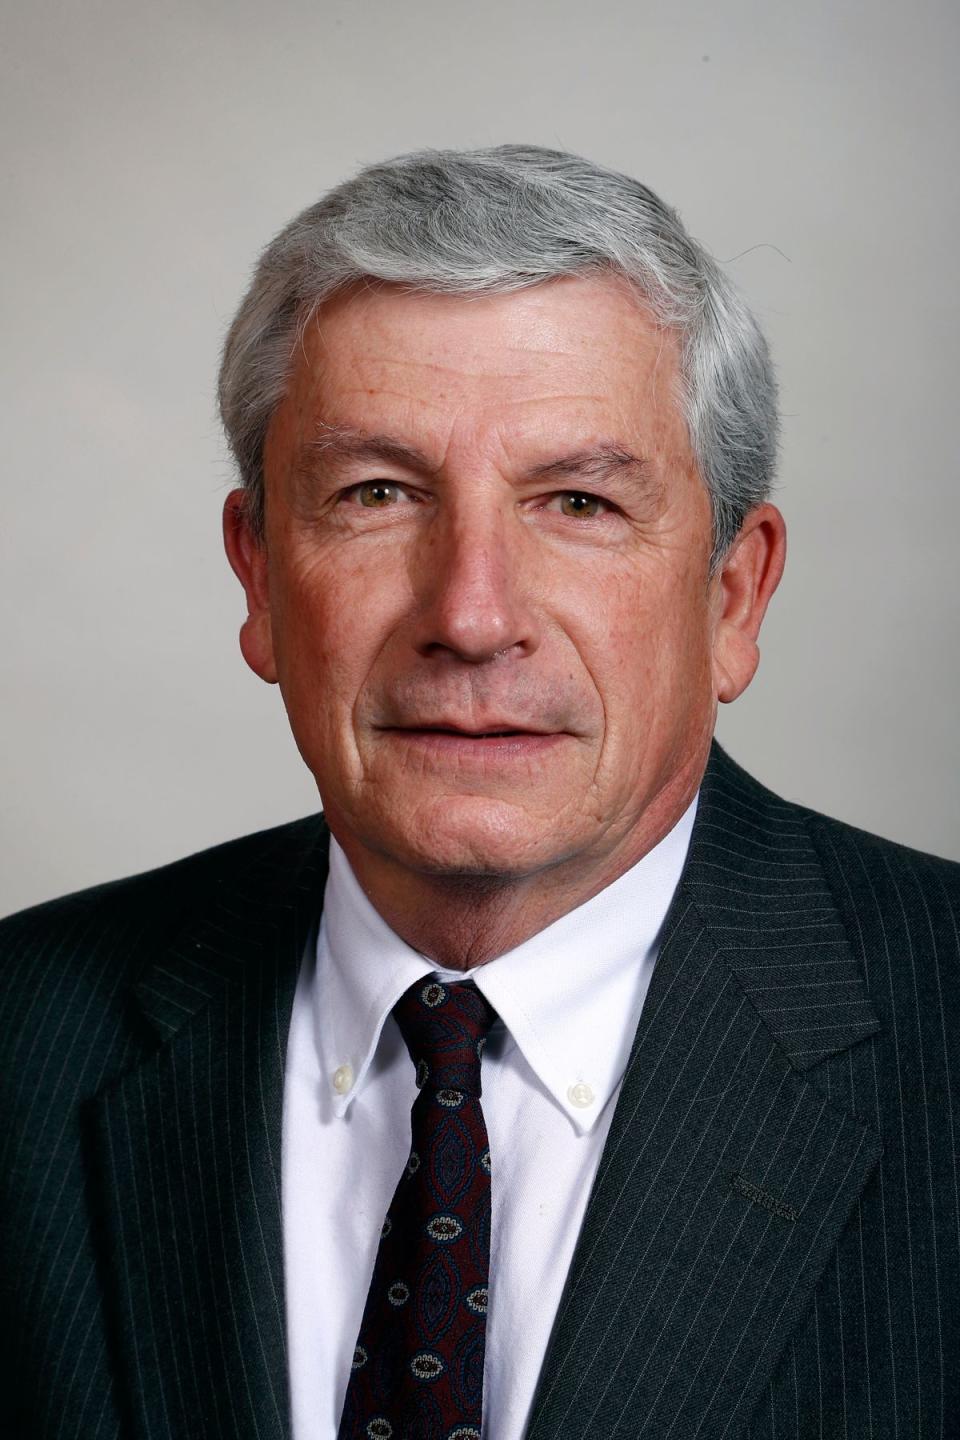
{"points": [[444, 1027]]}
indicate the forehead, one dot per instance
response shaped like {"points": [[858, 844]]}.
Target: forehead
{"points": [[576, 355]]}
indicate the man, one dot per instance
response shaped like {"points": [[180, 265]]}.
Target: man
{"points": [[506, 436]]}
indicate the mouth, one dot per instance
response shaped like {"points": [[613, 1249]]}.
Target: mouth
{"points": [[502, 741], [493, 733], [494, 729]]}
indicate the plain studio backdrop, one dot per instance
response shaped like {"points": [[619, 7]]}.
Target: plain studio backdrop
{"points": [[150, 153]]}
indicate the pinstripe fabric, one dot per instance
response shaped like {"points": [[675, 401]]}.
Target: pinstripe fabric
{"points": [[772, 1246], [143, 1027], [749, 1265]]}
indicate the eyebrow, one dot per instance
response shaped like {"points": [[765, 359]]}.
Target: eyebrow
{"points": [[595, 464], [345, 442]]}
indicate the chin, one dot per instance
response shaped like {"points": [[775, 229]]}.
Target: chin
{"points": [[477, 840]]}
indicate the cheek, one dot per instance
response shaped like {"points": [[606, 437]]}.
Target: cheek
{"points": [[684, 651], [328, 625], [646, 645]]}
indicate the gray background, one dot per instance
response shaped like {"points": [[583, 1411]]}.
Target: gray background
{"points": [[150, 151]]}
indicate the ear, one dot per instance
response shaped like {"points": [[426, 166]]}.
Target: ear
{"points": [[247, 553], [742, 587]]}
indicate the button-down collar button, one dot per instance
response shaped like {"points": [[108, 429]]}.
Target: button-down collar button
{"points": [[342, 1079], [580, 1095]]}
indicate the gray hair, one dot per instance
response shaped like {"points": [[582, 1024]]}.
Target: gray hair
{"points": [[495, 220]]}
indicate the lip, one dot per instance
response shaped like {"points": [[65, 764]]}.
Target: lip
{"points": [[485, 746], [479, 729]]}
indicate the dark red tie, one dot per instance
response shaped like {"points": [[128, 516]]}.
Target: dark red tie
{"points": [[418, 1364]]}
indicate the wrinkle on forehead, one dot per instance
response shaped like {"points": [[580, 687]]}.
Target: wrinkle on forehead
{"points": [[526, 322], [469, 368]]}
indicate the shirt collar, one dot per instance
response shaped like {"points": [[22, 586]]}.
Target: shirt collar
{"points": [[575, 1031]]}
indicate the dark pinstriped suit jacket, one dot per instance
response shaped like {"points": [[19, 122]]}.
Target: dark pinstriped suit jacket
{"points": [[772, 1247]]}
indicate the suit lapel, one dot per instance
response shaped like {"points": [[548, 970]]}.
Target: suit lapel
{"points": [[727, 1177], [188, 1155]]}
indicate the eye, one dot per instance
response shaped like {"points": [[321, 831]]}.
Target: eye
{"points": [[376, 494], [579, 505]]}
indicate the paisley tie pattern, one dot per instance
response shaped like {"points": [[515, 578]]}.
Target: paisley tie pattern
{"points": [[418, 1363]]}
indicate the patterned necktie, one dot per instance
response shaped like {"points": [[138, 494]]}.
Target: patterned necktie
{"points": [[418, 1364]]}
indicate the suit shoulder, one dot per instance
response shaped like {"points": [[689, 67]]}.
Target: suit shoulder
{"points": [[122, 914], [881, 861], [901, 907], [837, 840], [882, 888], [189, 875], [70, 1022]]}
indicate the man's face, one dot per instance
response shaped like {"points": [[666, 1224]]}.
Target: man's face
{"points": [[485, 585]]}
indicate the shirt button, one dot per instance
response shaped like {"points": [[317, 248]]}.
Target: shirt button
{"points": [[342, 1079], [580, 1095]]}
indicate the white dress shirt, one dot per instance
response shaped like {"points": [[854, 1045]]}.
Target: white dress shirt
{"points": [[569, 1000]]}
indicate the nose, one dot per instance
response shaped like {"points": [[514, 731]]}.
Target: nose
{"points": [[474, 582]]}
